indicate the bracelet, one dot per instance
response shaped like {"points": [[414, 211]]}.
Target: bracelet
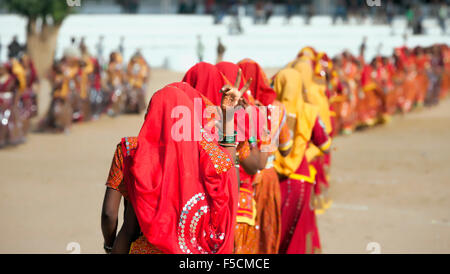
{"points": [[108, 249], [228, 140], [252, 140], [227, 145]]}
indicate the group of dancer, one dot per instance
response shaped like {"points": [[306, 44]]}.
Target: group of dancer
{"points": [[18, 99], [231, 161], [364, 94], [82, 90]]}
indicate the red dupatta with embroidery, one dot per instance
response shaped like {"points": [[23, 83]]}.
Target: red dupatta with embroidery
{"points": [[183, 192]]}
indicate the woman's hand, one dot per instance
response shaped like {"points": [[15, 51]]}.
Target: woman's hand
{"points": [[232, 94]]}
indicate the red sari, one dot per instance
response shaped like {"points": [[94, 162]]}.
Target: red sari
{"points": [[267, 227], [183, 192], [246, 237], [369, 104], [299, 234]]}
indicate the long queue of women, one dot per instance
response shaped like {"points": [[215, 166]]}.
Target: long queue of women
{"points": [[81, 90], [218, 194]]}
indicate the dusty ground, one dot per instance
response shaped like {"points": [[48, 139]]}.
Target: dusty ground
{"points": [[390, 186]]}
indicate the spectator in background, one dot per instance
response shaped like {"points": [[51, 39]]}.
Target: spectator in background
{"points": [[418, 20], [100, 50], [290, 10], [259, 12], [309, 12], [362, 49], [356, 10], [183, 7], [237, 11], [72, 50], [410, 16], [193, 7], [442, 17], [219, 12], [187, 7], [209, 6], [220, 50], [340, 11], [83, 44], [129, 6], [14, 48], [200, 48], [268, 10], [390, 12], [122, 46]]}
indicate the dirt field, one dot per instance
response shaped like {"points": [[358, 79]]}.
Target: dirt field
{"points": [[390, 185]]}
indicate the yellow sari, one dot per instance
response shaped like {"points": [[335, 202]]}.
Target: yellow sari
{"points": [[315, 88], [301, 117]]}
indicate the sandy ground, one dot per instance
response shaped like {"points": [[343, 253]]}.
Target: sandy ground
{"points": [[390, 185]]}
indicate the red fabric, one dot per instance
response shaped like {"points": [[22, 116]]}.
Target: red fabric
{"points": [[97, 74], [171, 181], [207, 79], [8, 85], [319, 134], [33, 74], [366, 75], [260, 87], [230, 71], [321, 178], [298, 220]]}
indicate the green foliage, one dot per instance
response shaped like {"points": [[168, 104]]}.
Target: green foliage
{"points": [[34, 9]]}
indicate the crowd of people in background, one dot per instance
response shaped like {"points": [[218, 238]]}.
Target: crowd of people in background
{"points": [[255, 192], [262, 11], [18, 99], [83, 87]]}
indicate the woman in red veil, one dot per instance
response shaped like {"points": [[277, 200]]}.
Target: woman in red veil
{"points": [[183, 193]]}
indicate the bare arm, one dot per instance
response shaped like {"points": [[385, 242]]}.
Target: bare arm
{"points": [[110, 210], [230, 98], [255, 161], [128, 232]]}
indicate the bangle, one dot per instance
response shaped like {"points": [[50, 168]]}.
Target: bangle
{"points": [[227, 145], [228, 139], [108, 249]]}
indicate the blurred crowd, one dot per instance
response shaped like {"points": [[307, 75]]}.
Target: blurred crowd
{"points": [[83, 87], [340, 10], [18, 101], [366, 93]]}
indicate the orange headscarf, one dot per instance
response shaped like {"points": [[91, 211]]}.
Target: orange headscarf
{"points": [[314, 89], [288, 86]]}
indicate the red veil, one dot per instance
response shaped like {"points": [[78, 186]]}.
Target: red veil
{"points": [[183, 192], [207, 79], [230, 71], [260, 86]]}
